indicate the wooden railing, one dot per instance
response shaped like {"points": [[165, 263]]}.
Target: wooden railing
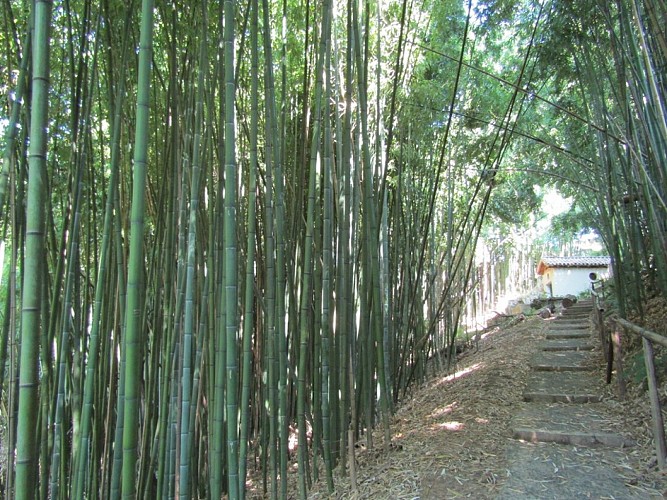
{"points": [[611, 345], [648, 337]]}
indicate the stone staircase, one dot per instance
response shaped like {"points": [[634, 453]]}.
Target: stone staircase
{"points": [[564, 438]]}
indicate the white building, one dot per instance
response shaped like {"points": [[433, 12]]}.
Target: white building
{"points": [[570, 275]]}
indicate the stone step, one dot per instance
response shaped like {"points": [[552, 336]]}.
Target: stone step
{"points": [[573, 438], [568, 326], [562, 387], [586, 425], [548, 367], [568, 334], [574, 316], [554, 471], [538, 397], [573, 319], [562, 361], [579, 307], [578, 344]]}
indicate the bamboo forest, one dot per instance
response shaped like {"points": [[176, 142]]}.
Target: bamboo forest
{"points": [[237, 234]]}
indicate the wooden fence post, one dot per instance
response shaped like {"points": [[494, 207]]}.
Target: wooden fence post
{"points": [[605, 337], [618, 358], [658, 425]]}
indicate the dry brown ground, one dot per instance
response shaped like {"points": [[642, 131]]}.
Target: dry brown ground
{"points": [[449, 439]]}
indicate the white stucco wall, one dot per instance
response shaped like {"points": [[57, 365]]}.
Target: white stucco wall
{"points": [[570, 280]]}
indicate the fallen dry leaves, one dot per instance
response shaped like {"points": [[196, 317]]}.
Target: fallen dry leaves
{"points": [[450, 436]]}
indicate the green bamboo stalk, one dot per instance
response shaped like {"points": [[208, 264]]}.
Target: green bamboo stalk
{"points": [[212, 328], [218, 448], [69, 370], [13, 368], [81, 459], [6, 321], [248, 318], [230, 248], [166, 476], [313, 371], [133, 333], [275, 190], [381, 172], [306, 286], [58, 475], [117, 460], [26, 449], [656, 100], [196, 409], [271, 338], [327, 263], [181, 246], [188, 322], [370, 232], [11, 131], [345, 307]]}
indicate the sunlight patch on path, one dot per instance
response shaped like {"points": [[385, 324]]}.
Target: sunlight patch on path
{"points": [[452, 426], [439, 412], [461, 373]]}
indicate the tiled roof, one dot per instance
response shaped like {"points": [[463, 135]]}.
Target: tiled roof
{"points": [[547, 262]]}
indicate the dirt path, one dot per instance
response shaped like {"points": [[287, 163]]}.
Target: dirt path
{"points": [[451, 439]]}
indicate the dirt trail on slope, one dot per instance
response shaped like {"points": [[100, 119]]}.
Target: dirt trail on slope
{"points": [[450, 439]]}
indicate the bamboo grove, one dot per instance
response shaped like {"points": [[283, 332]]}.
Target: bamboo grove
{"points": [[623, 90], [235, 234]]}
